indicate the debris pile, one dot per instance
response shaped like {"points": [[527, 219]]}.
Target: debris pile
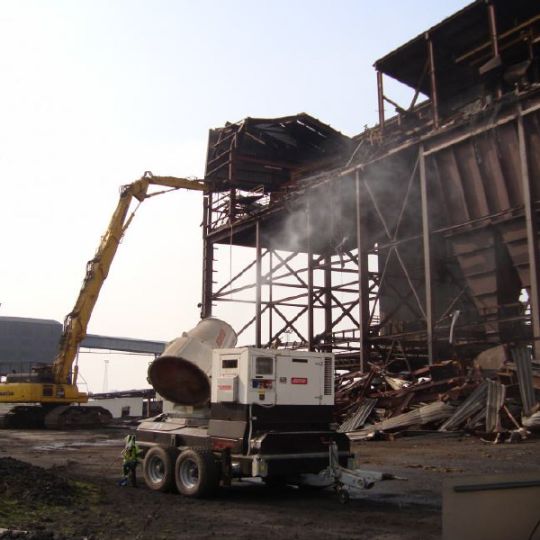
{"points": [[496, 398], [24, 482]]}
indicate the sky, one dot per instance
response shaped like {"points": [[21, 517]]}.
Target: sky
{"points": [[94, 93]]}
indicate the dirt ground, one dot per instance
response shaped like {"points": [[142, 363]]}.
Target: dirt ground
{"points": [[86, 502]]}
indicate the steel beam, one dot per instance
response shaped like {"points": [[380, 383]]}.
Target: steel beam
{"points": [[328, 300], [270, 281], [433, 81], [532, 238], [258, 284], [426, 240], [310, 330], [208, 259], [363, 275], [380, 98], [493, 29]]}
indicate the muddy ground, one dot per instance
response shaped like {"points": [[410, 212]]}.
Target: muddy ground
{"points": [[84, 501]]}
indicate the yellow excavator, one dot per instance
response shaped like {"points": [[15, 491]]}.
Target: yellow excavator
{"points": [[48, 396]]}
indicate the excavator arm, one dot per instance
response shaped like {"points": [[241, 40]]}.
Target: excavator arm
{"points": [[97, 269]]}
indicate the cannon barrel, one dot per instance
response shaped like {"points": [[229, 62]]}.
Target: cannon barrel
{"points": [[182, 373]]}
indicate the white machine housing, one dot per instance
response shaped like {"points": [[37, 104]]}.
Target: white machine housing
{"points": [[268, 377]]}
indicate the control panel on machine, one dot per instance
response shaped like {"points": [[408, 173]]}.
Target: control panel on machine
{"points": [[272, 377]]}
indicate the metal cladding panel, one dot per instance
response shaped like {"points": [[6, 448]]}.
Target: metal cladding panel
{"points": [[522, 359], [514, 236], [491, 170], [495, 400], [423, 415], [358, 419], [25, 342], [532, 129], [473, 186], [451, 187], [473, 404]]}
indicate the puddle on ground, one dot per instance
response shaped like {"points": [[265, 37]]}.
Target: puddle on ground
{"points": [[77, 444]]}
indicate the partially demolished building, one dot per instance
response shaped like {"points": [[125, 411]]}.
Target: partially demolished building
{"points": [[414, 241]]}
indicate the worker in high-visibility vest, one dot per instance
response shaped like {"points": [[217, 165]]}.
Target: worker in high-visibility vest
{"points": [[130, 455]]}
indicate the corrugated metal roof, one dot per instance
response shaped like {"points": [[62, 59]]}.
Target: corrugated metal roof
{"points": [[475, 403], [522, 359], [461, 32], [437, 410], [496, 393]]}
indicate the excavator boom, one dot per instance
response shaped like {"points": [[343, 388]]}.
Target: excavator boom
{"points": [[54, 387], [97, 269]]}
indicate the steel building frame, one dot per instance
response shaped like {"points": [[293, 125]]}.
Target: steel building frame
{"points": [[445, 196]]}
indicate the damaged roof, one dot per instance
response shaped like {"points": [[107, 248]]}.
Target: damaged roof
{"points": [[462, 44], [268, 152]]}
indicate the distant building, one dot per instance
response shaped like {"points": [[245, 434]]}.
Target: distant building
{"points": [[26, 342], [129, 404]]}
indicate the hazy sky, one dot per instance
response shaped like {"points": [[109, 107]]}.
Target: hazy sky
{"points": [[93, 93]]}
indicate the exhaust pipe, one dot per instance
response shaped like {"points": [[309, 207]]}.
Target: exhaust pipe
{"points": [[182, 373]]}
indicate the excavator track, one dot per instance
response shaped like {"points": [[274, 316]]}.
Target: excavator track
{"points": [[23, 417], [59, 417], [74, 417]]}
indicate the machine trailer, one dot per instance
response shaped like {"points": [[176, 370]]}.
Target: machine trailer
{"points": [[244, 412]]}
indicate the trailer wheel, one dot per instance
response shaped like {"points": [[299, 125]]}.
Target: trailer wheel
{"points": [[158, 468], [196, 473]]}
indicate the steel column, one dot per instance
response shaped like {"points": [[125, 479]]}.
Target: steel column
{"points": [[327, 261], [208, 260], [270, 280], [380, 98], [433, 81], [258, 284], [426, 240], [494, 38], [532, 238], [493, 29], [363, 276], [310, 313]]}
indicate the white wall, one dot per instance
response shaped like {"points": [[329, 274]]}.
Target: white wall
{"points": [[114, 405]]}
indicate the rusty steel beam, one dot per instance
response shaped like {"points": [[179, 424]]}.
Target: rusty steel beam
{"points": [[532, 238], [433, 81], [380, 98], [310, 329], [363, 275], [208, 260], [270, 282], [493, 29], [328, 297], [426, 241], [258, 292]]}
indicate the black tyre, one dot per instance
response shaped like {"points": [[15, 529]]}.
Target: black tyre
{"points": [[196, 473], [158, 468]]}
